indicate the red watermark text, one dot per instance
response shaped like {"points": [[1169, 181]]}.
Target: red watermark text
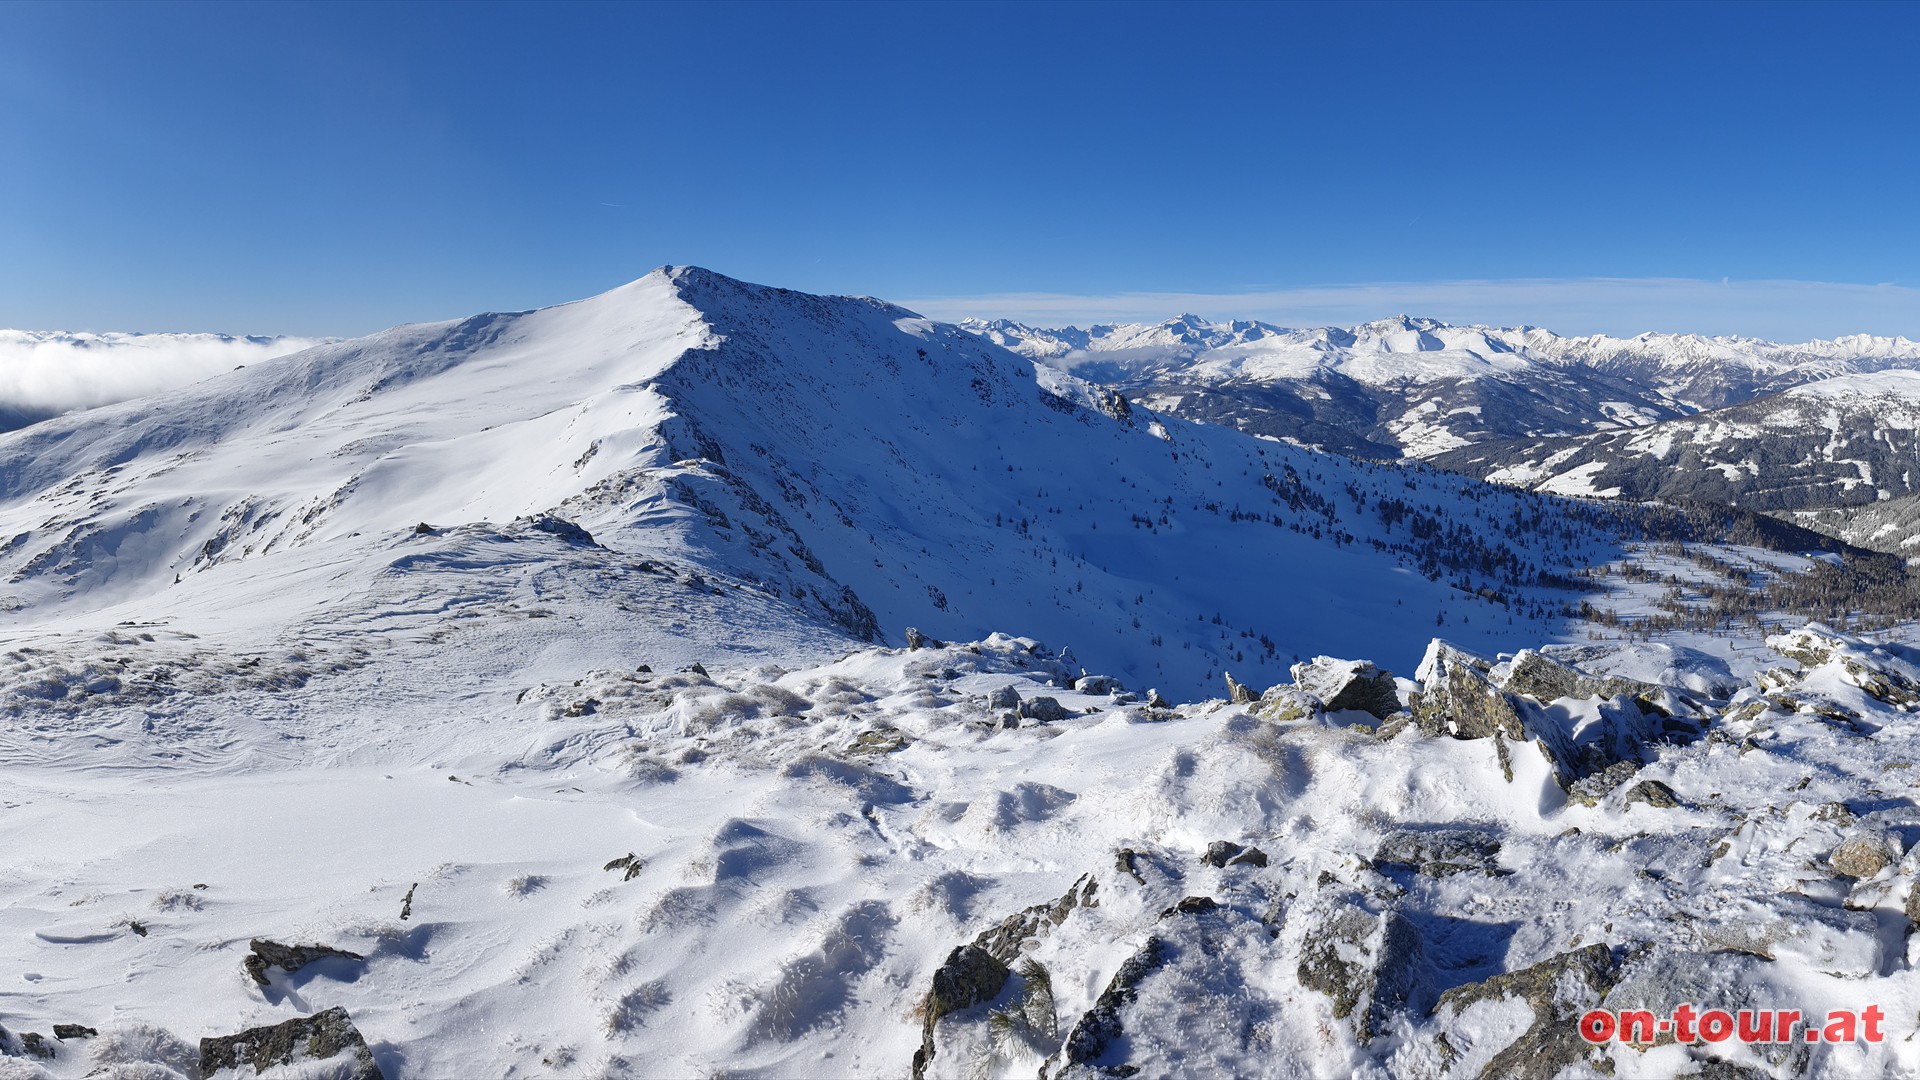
{"points": [[1688, 1024]]}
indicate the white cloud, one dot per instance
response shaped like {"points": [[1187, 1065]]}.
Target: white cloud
{"points": [[44, 373], [1777, 310]]}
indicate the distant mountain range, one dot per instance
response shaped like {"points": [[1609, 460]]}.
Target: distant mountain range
{"points": [[1409, 387]]}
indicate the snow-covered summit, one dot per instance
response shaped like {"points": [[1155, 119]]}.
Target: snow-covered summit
{"points": [[845, 465]]}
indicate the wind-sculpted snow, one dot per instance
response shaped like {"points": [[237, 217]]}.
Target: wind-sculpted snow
{"points": [[792, 853]]}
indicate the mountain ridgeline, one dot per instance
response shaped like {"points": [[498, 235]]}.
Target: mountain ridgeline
{"points": [[1421, 388], [839, 464]]}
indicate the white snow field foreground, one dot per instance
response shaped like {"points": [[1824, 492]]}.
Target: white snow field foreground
{"points": [[537, 690]]}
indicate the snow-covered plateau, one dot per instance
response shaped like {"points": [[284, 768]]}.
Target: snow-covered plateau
{"points": [[708, 679]]}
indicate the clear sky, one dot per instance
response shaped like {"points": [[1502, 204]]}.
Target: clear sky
{"points": [[336, 168]]}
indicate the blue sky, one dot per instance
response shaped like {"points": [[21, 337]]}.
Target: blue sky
{"points": [[332, 169]]}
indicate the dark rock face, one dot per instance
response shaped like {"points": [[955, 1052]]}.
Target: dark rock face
{"points": [[1349, 684], [562, 528], [320, 1037], [1458, 699], [1005, 940], [976, 972], [289, 958], [969, 976], [917, 641], [1239, 694], [1044, 710], [1371, 964], [1558, 990], [1440, 852], [63, 1032], [1545, 679], [1589, 790], [1225, 853], [1653, 793], [1101, 1026], [34, 1044]]}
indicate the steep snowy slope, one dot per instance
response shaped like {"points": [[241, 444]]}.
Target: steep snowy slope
{"points": [[1420, 387], [845, 465], [1847, 440]]}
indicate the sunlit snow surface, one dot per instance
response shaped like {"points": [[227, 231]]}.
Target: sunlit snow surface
{"points": [[320, 632]]}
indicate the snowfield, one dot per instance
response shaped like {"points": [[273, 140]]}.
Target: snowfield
{"points": [[707, 679]]}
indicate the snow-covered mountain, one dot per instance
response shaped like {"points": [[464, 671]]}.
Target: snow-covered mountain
{"points": [[534, 694], [1847, 440], [713, 426], [1417, 387]]}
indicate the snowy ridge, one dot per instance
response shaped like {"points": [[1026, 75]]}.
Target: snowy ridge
{"points": [[697, 421]]}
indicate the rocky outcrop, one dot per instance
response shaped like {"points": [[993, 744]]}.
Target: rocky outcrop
{"points": [[969, 976], [1006, 940], [290, 958], [1865, 854], [1097, 684], [1558, 990], [1238, 693], [562, 528], [324, 1036], [1225, 853], [1439, 852], [1370, 963], [1810, 645], [1043, 710], [1286, 704], [1458, 698], [1349, 684], [1545, 680], [976, 972], [1654, 793], [1102, 1025]]}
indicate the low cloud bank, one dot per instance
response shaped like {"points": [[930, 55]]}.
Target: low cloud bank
{"points": [[46, 373]]}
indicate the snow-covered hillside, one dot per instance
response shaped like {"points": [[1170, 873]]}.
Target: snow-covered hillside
{"points": [[539, 689], [842, 463], [1420, 388], [1849, 440]]}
